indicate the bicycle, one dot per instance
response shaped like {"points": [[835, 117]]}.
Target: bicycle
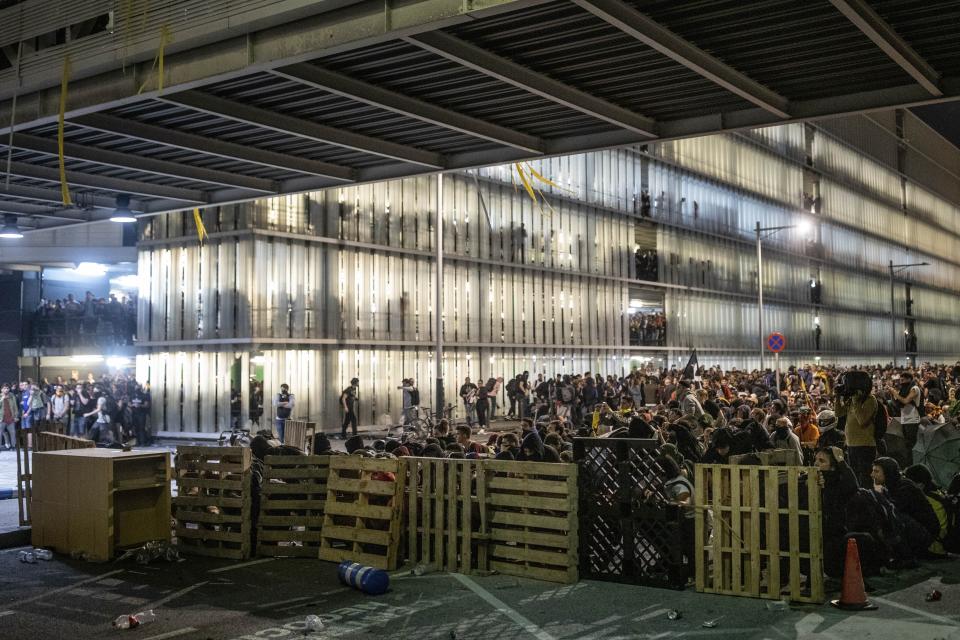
{"points": [[424, 421], [235, 437]]}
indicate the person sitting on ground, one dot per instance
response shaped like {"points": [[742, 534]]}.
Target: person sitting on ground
{"points": [[442, 432], [463, 439], [942, 507], [719, 451], [531, 449], [839, 484], [920, 524]]}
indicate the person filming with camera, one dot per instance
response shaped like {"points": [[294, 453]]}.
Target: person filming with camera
{"points": [[857, 406]]}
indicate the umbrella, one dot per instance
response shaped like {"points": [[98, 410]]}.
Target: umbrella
{"points": [[938, 448]]}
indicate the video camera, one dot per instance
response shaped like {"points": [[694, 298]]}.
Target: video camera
{"points": [[851, 382]]}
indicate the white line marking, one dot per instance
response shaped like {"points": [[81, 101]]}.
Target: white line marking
{"points": [[278, 602], [47, 594], [919, 612], [172, 634], [652, 614], [241, 565], [6, 613], [333, 591], [500, 606], [173, 596]]}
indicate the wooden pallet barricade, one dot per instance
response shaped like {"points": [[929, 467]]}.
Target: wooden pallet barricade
{"points": [[292, 500], [40, 441], [363, 512], [212, 508], [766, 532], [531, 512], [445, 525]]}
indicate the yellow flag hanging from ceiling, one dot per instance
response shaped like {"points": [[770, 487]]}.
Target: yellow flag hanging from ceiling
{"points": [[64, 81], [201, 230]]}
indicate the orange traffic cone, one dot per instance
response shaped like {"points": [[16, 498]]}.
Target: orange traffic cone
{"points": [[852, 595]]}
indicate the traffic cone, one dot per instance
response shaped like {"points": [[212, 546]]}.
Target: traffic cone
{"points": [[852, 595]]}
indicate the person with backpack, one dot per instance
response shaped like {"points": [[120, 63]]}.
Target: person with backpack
{"points": [[944, 508], [512, 396], [348, 402], [909, 398]]}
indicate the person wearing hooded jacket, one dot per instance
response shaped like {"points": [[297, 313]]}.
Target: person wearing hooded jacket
{"points": [[783, 437], [531, 449], [909, 500], [838, 483]]}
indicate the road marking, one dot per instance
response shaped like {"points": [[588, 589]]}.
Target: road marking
{"points": [[6, 613], [241, 565], [173, 596], [338, 590], [919, 612], [279, 602], [652, 614], [500, 606], [172, 634], [47, 594]]}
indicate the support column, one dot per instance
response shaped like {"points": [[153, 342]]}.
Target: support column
{"points": [[438, 301]]}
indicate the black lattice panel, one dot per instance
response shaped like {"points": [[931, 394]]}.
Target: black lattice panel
{"points": [[628, 531]]}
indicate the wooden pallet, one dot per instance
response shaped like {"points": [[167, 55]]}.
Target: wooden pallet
{"points": [[291, 505], [446, 528], [362, 514], [764, 518], [299, 434], [770, 458], [212, 507], [531, 511]]}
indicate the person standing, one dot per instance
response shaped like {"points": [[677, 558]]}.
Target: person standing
{"points": [[8, 419], [468, 392], [483, 404], [285, 402], [140, 408], [494, 387], [59, 409], [860, 410], [909, 398], [349, 400], [37, 404], [411, 399]]}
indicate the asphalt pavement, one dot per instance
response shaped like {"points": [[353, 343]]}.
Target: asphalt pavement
{"points": [[209, 599]]}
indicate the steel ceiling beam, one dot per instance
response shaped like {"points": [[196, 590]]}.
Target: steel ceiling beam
{"points": [[83, 200], [495, 66], [290, 125], [897, 49], [348, 87], [105, 183], [643, 28], [131, 162], [211, 146]]}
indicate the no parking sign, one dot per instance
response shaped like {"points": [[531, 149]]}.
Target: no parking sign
{"points": [[776, 342]]}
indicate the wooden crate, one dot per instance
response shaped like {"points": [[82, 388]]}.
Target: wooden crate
{"points": [[766, 532], [291, 505], [362, 514], [40, 441], [299, 434], [212, 507], [50, 441], [445, 524], [531, 511]]}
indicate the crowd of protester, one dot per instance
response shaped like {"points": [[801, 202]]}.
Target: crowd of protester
{"points": [[111, 411], [91, 321], [648, 329], [835, 421]]}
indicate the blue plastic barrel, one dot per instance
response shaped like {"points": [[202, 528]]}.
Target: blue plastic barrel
{"points": [[370, 581]]}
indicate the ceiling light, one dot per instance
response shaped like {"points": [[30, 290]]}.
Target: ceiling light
{"points": [[122, 213], [87, 359], [10, 228], [90, 269]]}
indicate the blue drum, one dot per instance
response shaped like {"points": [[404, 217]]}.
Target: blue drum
{"points": [[370, 581]]}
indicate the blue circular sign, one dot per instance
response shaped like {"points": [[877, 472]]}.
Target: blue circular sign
{"points": [[776, 342]]}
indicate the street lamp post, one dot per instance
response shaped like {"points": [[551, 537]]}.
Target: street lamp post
{"points": [[769, 231], [895, 269]]}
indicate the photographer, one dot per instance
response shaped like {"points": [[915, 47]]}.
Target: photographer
{"points": [[909, 398], [857, 405]]}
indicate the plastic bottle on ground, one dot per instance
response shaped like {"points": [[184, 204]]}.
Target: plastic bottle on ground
{"points": [[313, 623], [134, 620], [43, 554]]}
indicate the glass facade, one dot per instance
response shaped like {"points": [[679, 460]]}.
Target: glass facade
{"points": [[314, 289]]}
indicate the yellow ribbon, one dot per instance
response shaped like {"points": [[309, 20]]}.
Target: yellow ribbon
{"points": [[532, 191], [201, 230], [64, 186], [157, 61]]}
